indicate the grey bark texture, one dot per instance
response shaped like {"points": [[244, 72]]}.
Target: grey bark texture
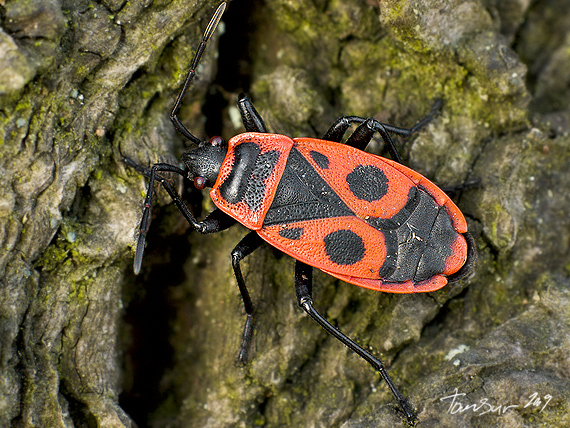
{"points": [[85, 343]]}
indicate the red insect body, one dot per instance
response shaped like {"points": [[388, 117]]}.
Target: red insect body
{"points": [[368, 193]]}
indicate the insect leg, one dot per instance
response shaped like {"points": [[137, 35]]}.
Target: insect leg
{"points": [[246, 246], [363, 134], [452, 191], [338, 129], [214, 222], [303, 289], [252, 121]]}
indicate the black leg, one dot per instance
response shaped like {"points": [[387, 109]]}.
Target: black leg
{"points": [[214, 222], [452, 191], [363, 134], [303, 289], [246, 246], [251, 119], [337, 129], [192, 72]]}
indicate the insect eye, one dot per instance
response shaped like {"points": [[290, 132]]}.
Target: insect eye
{"points": [[216, 141], [199, 182]]}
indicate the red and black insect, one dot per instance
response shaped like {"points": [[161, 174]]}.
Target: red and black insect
{"points": [[364, 219]]}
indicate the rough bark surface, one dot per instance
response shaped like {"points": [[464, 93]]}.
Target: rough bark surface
{"points": [[85, 343]]}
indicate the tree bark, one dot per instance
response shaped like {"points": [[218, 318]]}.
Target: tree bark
{"points": [[86, 343]]}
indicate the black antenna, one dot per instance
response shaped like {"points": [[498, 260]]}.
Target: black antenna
{"points": [[192, 72], [145, 221]]}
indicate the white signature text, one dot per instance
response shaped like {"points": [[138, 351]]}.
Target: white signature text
{"points": [[484, 407]]}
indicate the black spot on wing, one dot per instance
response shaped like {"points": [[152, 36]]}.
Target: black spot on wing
{"points": [[321, 160], [293, 233], [344, 247], [368, 182]]}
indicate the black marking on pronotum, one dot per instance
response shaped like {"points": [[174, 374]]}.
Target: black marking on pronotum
{"points": [[344, 247], [368, 182], [234, 187], [256, 188], [246, 180]]}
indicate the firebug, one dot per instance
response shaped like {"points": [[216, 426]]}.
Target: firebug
{"points": [[362, 218]]}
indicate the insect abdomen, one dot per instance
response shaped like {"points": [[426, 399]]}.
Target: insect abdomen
{"points": [[419, 248]]}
